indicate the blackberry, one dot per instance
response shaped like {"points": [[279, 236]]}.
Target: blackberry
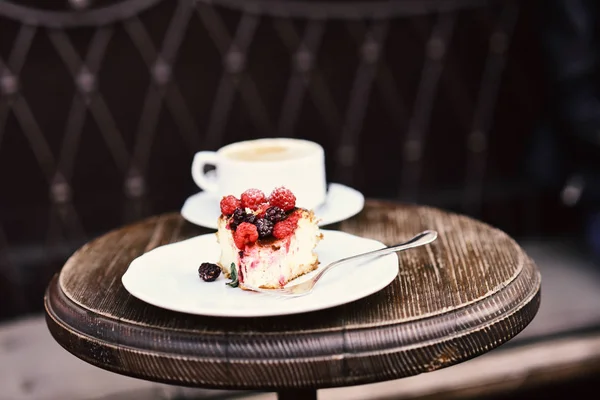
{"points": [[209, 271], [264, 227], [251, 218], [237, 218], [275, 214]]}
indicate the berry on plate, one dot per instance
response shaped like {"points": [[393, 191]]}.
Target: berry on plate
{"points": [[209, 271]]}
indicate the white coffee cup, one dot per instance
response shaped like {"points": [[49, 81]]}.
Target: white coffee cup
{"points": [[265, 164]]}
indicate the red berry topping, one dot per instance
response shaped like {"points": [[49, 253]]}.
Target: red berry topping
{"points": [[283, 198], [252, 198], [285, 228], [294, 217], [262, 210], [246, 233], [229, 204]]}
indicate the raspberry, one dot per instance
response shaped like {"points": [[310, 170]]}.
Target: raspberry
{"points": [[283, 198], [252, 198], [262, 209], [264, 227], [246, 233], [229, 204], [293, 217], [285, 228], [209, 271], [275, 214]]}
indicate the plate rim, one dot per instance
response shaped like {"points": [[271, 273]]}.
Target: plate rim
{"points": [[187, 217], [244, 314]]}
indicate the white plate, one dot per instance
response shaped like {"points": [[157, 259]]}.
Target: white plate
{"points": [[342, 203], [167, 277]]}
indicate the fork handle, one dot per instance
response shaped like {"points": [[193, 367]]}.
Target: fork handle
{"points": [[420, 239]]}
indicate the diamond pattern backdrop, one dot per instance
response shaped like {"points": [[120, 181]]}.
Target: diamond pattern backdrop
{"points": [[103, 104]]}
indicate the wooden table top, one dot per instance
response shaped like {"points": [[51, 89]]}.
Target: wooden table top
{"points": [[468, 292]]}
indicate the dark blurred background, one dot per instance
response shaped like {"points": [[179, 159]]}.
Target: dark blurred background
{"points": [[483, 107], [100, 116]]}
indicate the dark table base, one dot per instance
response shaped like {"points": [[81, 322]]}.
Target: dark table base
{"points": [[299, 394]]}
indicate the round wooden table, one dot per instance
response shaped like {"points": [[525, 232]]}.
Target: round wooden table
{"points": [[468, 292]]}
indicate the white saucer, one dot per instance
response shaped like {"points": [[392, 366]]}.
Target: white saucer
{"points": [[342, 203], [167, 277]]}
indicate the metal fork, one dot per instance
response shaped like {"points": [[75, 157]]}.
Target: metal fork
{"points": [[304, 288]]}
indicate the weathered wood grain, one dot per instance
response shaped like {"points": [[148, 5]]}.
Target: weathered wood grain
{"points": [[468, 292]]}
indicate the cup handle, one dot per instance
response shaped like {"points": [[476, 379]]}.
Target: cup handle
{"points": [[202, 159]]}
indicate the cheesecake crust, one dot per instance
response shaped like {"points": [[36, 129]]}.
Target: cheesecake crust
{"points": [[305, 270]]}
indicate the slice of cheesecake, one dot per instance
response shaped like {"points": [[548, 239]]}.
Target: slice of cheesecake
{"points": [[269, 243]]}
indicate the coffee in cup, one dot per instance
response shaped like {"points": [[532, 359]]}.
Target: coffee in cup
{"points": [[265, 164]]}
